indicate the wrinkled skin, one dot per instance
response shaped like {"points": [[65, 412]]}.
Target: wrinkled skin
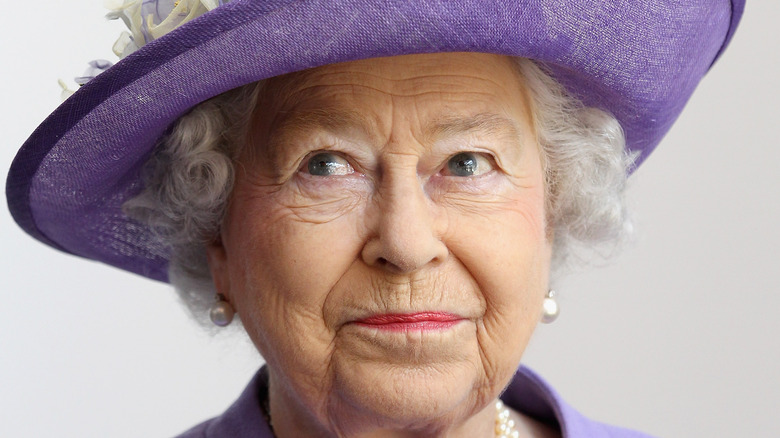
{"points": [[388, 222]]}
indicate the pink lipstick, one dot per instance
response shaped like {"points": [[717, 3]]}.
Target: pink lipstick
{"points": [[401, 322]]}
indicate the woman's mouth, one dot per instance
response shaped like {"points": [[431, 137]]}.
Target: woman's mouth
{"points": [[402, 322]]}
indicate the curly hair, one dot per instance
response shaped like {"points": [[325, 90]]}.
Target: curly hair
{"points": [[190, 176]]}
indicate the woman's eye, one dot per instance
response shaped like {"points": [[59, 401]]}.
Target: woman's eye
{"points": [[468, 164], [328, 164]]}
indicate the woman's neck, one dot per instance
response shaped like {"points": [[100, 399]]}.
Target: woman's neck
{"points": [[289, 422]]}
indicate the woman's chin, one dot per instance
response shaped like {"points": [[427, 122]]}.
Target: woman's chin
{"points": [[413, 394]]}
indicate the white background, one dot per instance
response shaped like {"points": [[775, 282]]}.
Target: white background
{"points": [[678, 337]]}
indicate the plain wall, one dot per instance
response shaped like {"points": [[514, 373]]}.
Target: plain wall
{"points": [[677, 337]]}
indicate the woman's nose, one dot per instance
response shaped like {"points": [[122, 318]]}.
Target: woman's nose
{"points": [[407, 226]]}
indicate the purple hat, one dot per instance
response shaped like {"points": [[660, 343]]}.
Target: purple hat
{"points": [[639, 60]]}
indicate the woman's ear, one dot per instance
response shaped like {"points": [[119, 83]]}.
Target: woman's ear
{"points": [[217, 259]]}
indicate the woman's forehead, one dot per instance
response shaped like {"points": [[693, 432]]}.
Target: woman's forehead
{"points": [[438, 92]]}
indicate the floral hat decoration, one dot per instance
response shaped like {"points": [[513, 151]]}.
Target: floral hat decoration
{"points": [[639, 60]]}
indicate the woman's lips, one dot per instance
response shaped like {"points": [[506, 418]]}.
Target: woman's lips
{"points": [[401, 322]]}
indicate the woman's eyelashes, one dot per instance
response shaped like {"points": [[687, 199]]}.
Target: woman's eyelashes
{"points": [[462, 164], [465, 164], [327, 164]]}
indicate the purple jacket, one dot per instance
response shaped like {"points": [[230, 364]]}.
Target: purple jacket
{"points": [[527, 393]]}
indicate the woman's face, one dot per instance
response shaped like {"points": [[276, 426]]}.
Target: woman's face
{"points": [[385, 244]]}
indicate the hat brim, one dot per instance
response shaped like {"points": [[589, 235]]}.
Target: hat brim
{"points": [[638, 60]]}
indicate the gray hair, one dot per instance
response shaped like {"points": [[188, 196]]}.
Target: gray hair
{"points": [[189, 179]]}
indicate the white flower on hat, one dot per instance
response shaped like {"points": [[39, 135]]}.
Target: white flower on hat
{"points": [[148, 20]]}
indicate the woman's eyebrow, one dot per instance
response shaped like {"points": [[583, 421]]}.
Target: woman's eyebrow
{"points": [[334, 120], [486, 123]]}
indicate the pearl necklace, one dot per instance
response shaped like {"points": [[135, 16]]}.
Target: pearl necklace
{"points": [[505, 427]]}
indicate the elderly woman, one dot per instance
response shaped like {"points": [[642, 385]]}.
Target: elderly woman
{"points": [[378, 191]]}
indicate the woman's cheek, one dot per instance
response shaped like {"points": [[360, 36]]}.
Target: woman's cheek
{"points": [[303, 236], [501, 239]]}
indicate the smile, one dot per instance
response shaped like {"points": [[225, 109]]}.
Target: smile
{"points": [[402, 322]]}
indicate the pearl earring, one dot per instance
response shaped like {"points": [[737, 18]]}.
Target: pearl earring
{"points": [[221, 312], [550, 309]]}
